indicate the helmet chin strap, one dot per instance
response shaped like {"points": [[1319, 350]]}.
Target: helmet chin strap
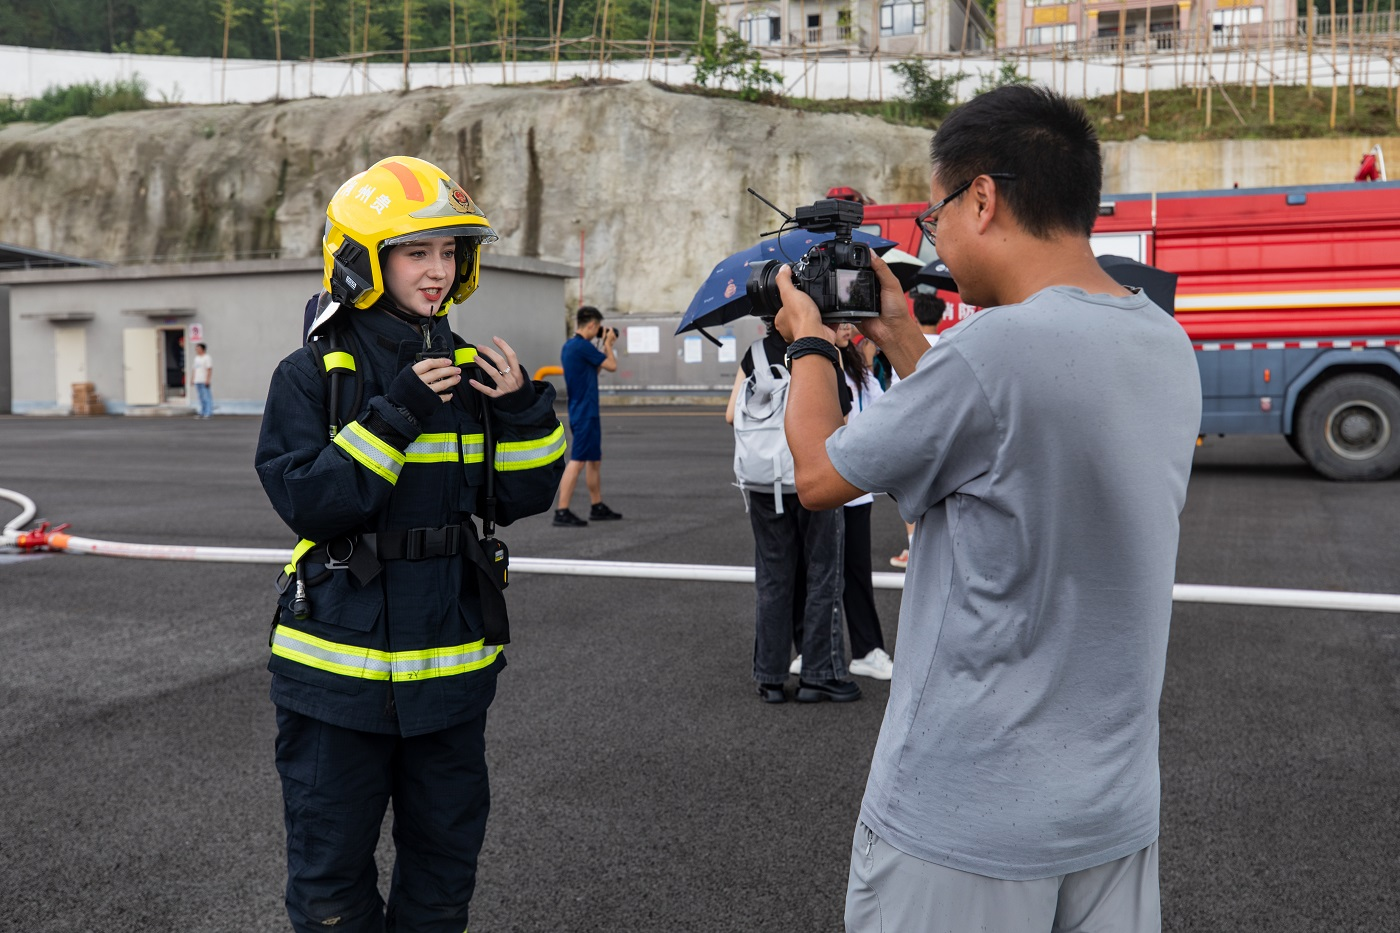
{"points": [[387, 304]]}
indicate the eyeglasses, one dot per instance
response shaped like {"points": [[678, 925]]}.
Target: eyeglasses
{"points": [[929, 224]]}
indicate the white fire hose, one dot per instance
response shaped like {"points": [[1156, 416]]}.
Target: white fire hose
{"points": [[58, 540]]}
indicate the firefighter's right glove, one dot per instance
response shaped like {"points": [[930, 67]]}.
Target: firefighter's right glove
{"points": [[413, 395]]}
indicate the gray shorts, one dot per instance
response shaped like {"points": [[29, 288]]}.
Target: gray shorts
{"points": [[891, 892]]}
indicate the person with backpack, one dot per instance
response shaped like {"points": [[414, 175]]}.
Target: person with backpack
{"points": [[392, 448], [792, 544]]}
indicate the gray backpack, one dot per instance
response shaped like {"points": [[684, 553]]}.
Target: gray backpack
{"points": [[762, 460]]}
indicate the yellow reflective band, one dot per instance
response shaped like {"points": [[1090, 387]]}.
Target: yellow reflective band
{"points": [[465, 356], [370, 452], [527, 455], [298, 553], [473, 448], [433, 448], [338, 359], [370, 664]]}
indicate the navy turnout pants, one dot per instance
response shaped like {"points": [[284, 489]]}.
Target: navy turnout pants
{"points": [[336, 784]]}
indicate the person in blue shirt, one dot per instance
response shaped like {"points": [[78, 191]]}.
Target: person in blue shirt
{"points": [[582, 360]]}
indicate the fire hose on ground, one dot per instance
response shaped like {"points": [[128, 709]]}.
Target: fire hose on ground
{"points": [[44, 538]]}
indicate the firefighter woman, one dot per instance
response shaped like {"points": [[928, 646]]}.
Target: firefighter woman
{"points": [[392, 447]]}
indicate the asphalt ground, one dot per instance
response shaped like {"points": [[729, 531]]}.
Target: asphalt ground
{"points": [[638, 783]]}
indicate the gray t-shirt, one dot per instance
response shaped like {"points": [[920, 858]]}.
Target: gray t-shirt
{"points": [[1043, 450]]}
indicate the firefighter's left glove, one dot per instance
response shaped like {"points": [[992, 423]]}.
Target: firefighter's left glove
{"points": [[411, 394]]}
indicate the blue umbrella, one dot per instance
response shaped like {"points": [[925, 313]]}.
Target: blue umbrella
{"points": [[1159, 284], [722, 297]]}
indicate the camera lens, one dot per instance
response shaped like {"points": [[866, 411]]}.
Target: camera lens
{"points": [[762, 288]]}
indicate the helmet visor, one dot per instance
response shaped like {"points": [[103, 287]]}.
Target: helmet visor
{"points": [[479, 232]]}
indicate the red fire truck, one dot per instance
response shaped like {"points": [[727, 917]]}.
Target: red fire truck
{"points": [[1291, 297]]}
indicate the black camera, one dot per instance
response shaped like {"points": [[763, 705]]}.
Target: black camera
{"points": [[836, 274]]}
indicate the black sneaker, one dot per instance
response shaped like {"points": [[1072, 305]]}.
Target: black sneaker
{"points": [[771, 693], [563, 518], [601, 513], [837, 691]]}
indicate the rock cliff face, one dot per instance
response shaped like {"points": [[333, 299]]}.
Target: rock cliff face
{"points": [[653, 181]]}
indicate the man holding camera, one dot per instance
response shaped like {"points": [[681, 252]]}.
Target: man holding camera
{"points": [[582, 361], [1042, 448]]}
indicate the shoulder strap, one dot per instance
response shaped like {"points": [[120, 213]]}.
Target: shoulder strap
{"points": [[336, 364], [762, 369], [464, 355]]}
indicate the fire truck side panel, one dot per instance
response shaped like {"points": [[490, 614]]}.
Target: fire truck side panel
{"points": [[1289, 295]]}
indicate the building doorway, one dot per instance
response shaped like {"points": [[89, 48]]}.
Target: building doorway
{"points": [[153, 362], [172, 345]]}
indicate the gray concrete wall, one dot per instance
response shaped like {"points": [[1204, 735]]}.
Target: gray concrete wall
{"points": [[250, 314], [4, 350], [1144, 165], [667, 375]]}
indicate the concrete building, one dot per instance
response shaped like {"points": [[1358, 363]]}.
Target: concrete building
{"points": [[126, 329], [845, 27], [1171, 24]]}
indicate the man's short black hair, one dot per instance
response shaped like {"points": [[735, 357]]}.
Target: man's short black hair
{"points": [[200, 346], [588, 314], [1044, 139], [928, 308]]}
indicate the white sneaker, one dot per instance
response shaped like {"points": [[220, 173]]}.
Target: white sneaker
{"points": [[876, 665], [796, 666]]}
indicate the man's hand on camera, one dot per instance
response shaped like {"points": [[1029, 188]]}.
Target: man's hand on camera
{"points": [[894, 331], [609, 336], [799, 316], [894, 309]]}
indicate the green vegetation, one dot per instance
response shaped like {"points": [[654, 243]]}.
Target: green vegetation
{"points": [[729, 58], [1005, 74], [196, 27], [1180, 115], [77, 100], [926, 95], [1175, 115]]}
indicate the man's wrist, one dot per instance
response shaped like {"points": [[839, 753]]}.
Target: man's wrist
{"points": [[812, 346]]}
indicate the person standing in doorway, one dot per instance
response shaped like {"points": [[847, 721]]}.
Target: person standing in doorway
{"points": [[203, 380], [582, 361]]}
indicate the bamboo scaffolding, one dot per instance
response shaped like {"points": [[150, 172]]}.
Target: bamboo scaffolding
{"points": [[651, 34], [558, 37], [1122, 56], [1312, 28], [223, 71], [1147, 72], [1351, 57], [277, 42], [1332, 115]]}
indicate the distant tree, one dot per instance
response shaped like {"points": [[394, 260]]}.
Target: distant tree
{"points": [[926, 94], [724, 57], [1005, 74], [149, 42]]}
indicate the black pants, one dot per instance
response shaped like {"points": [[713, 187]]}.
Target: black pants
{"points": [[336, 784], [862, 619], [784, 546]]}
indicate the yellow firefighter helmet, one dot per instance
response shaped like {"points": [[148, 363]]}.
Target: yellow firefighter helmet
{"points": [[398, 200]]}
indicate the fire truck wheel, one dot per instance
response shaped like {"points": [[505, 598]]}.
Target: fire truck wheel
{"points": [[1349, 428]]}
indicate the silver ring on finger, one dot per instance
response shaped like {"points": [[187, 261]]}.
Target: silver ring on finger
{"points": [[505, 372]]}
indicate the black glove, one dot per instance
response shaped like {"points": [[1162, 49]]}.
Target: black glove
{"points": [[409, 393], [517, 401]]}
